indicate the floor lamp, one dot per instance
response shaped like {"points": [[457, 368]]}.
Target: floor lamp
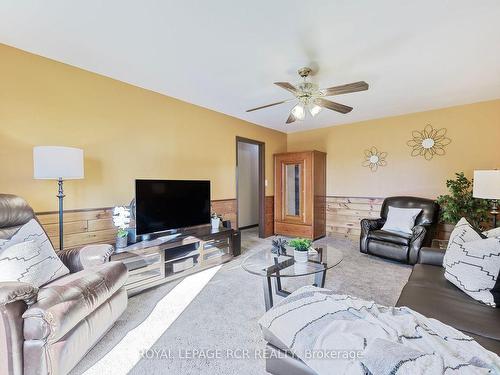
{"points": [[487, 186], [58, 163]]}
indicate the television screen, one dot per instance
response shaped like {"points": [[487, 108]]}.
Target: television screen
{"points": [[171, 204]]}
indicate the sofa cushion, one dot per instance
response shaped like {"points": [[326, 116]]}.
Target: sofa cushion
{"points": [[399, 238], [388, 250], [28, 256], [429, 293], [14, 213], [63, 303]]}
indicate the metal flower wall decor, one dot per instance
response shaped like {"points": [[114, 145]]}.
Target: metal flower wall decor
{"points": [[428, 142], [374, 159]]}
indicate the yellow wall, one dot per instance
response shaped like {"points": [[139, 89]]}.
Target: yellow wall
{"points": [[474, 130], [126, 133]]}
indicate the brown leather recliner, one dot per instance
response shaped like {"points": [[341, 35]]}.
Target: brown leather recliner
{"points": [[396, 245], [47, 330]]}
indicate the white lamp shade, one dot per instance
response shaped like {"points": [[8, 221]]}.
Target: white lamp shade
{"points": [[486, 184], [54, 162]]}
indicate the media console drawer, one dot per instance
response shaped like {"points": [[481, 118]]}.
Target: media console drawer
{"points": [[182, 265]]}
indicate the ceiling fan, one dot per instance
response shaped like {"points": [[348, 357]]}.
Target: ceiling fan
{"points": [[311, 97]]}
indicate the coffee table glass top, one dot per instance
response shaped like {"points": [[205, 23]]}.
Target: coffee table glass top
{"points": [[265, 263]]}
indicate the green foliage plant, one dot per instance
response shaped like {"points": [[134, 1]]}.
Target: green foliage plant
{"points": [[460, 203], [300, 244]]}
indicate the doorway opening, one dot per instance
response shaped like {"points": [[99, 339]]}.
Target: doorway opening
{"points": [[250, 184]]}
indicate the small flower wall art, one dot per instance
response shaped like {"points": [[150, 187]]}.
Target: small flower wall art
{"points": [[428, 142], [374, 159]]}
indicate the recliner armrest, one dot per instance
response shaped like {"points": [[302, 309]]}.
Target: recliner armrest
{"points": [[419, 233], [368, 225], [17, 291], [77, 259], [15, 297], [371, 224], [431, 255]]}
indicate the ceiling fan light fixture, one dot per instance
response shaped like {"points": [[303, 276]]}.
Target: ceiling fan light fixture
{"points": [[311, 98], [314, 109], [299, 112]]}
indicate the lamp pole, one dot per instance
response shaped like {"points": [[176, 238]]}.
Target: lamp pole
{"points": [[60, 196]]}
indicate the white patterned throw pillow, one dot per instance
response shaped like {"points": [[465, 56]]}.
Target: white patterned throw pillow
{"points": [[472, 263], [28, 256], [495, 232]]}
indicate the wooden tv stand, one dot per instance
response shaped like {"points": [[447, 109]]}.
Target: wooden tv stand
{"points": [[166, 258]]}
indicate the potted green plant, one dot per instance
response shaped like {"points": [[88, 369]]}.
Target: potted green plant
{"points": [[121, 219], [460, 203], [216, 220], [300, 249]]}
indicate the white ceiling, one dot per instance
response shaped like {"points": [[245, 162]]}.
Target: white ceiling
{"points": [[226, 54]]}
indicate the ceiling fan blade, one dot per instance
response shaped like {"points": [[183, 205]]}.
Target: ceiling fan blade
{"points": [[333, 106], [270, 105], [345, 89], [291, 118], [287, 86]]}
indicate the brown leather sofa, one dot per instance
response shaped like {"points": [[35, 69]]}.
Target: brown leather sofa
{"points": [[399, 246], [429, 293], [47, 330]]}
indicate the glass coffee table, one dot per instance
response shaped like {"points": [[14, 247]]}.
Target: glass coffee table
{"points": [[270, 267]]}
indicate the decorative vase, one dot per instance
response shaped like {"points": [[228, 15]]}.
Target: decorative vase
{"points": [[121, 242], [215, 223], [300, 256]]}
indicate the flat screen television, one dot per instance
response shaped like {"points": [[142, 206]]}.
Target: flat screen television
{"points": [[163, 205]]}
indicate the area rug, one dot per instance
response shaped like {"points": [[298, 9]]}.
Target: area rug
{"points": [[208, 324]]}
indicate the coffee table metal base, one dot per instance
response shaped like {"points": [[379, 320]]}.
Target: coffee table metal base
{"points": [[319, 281]]}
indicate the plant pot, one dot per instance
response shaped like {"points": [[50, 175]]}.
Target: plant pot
{"points": [[300, 256], [121, 242], [215, 223], [300, 267]]}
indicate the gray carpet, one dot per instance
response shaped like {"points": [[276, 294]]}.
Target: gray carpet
{"points": [[223, 316]]}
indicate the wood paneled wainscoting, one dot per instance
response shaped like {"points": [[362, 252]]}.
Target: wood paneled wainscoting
{"points": [[87, 226], [269, 216], [343, 215], [81, 227], [227, 208]]}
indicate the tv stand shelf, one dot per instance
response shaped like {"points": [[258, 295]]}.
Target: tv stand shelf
{"points": [[166, 258]]}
